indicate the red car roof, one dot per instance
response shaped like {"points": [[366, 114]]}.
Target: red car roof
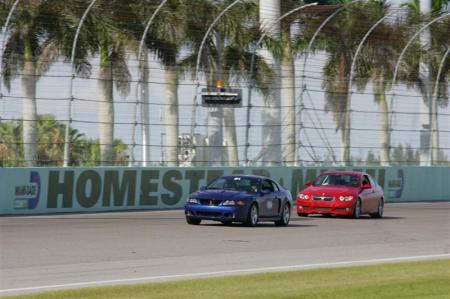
{"points": [[358, 173]]}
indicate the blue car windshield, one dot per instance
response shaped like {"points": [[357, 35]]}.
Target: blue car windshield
{"points": [[236, 183], [337, 179]]}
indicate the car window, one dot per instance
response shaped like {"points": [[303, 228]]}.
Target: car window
{"points": [[268, 185], [275, 186], [365, 180], [236, 183], [337, 179], [373, 182]]}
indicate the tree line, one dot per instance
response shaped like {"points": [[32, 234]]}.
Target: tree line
{"points": [[42, 32]]}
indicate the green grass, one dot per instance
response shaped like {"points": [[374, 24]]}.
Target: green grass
{"points": [[425, 279]]}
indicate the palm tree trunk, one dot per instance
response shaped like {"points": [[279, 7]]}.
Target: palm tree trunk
{"points": [[29, 111], [171, 117], [385, 133], [425, 75], [288, 97], [106, 110], [269, 12], [230, 136], [434, 132], [344, 124]]}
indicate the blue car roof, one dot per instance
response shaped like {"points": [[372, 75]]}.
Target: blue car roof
{"points": [[245, 175]]}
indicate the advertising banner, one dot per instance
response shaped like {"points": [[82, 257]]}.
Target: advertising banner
{"points": [[69, 190]]}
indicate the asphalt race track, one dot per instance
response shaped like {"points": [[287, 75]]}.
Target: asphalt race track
{"points": [[62, 251]]}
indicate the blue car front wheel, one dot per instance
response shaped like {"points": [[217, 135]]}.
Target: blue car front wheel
{"points": [[285, 216], [193, 221], [252, 217]]}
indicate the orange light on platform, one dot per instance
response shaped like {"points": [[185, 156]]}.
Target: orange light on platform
{"points": [[220, 84]]}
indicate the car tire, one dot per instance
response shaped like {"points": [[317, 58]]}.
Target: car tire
{"points": [[302, 214], [253, 216], [193, 221], [227, 222], [285, 216], [357, 209], [379, 212]]}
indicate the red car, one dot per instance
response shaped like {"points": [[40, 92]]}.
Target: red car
{"points": [[342, 193]]}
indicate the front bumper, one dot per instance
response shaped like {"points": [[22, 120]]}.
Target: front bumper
{"points": [[217, 213], [324, 207]]}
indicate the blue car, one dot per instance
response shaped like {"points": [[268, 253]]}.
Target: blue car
{"points": [[240, 198]]}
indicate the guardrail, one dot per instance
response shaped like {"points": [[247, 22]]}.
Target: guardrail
{"points": [[68, 190]]}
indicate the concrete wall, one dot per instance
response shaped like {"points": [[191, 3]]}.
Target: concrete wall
{"points": [[59, 190]]}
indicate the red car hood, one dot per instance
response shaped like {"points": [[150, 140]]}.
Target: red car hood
{"points": [[331, 190]]}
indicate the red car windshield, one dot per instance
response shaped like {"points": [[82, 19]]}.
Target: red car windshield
{"points": [[337, 179]]}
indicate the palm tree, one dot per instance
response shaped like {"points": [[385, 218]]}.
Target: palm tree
{"points": [[421, 69], [22, 49], [108, 24], [11, 150], [340, 39], [269, 12], [166, 38], [40, 34], [376, 63], [226, 56]]}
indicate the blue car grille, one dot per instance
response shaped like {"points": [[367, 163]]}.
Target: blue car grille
{"points": [[209, 214], [210, 202]]}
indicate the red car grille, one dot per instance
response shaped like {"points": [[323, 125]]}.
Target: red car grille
{"points": [[325, 198], [323, 209]]}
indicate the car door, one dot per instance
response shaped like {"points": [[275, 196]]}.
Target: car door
{"points": [[277, 199], [367, 196], [377, 193], [267, 199]]}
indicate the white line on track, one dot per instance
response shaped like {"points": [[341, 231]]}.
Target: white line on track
{"points": [[226, 272]]}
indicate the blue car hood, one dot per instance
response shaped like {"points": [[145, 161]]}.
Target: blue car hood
{"points": [[222, 195]]}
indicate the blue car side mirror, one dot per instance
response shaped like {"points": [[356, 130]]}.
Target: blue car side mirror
{"points": [[265, 191], [202, 188]]}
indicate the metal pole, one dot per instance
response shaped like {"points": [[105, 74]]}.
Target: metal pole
{"points": [[197, 66], [397, 65], [5, 29], [347, 128], [252, 67], [434, 114], [302, 78], [72, 66], [139, 96]]}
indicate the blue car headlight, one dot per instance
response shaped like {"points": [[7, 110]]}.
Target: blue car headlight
{"points": [[192, 200]]}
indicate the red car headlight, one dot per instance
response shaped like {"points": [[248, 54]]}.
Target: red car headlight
{"points": [[303, 196], [346, 198]]}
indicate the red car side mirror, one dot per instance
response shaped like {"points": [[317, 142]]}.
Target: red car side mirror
{"points": [[366, 186], [308, 183]]}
